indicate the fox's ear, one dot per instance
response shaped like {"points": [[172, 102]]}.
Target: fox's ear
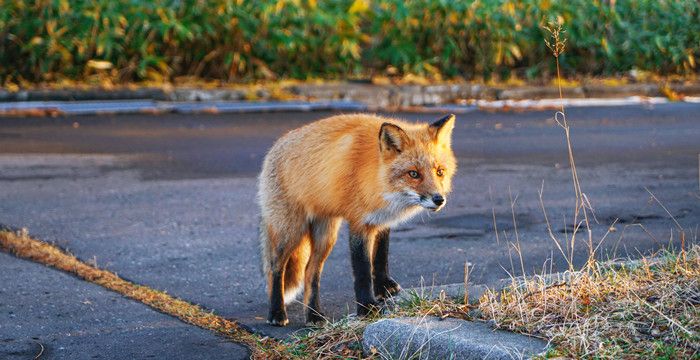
{"points": [[392, 138], [441, 130]]}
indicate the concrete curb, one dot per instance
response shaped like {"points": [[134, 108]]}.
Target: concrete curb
{"points": [[32, 108], [347, 96], [84, 95], [433, 338], [374, 96], [388, 96], [55, 108]]}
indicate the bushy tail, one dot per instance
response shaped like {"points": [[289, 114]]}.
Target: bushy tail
{"points": [[296, 266], [294, 273]]}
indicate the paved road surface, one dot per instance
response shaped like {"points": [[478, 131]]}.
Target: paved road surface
{"points": [[168, 201], [43, 311]]}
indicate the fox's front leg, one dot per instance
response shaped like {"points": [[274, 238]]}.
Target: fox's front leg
{"points": [[362, 270], [384, 285]]}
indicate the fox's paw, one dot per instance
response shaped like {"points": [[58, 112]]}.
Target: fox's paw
{"points": [[314, 317], [368, 308], [386, 288], [278, 318]]}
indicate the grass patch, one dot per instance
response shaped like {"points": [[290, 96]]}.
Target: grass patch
{"points": [[25, 247], [648, 310], [336, 340], [644, 309]]}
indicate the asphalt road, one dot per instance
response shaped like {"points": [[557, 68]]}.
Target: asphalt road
{"points": [[169, 201], [46, 314]]}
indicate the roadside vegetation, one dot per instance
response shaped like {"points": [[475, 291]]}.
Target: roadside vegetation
{"points": [[102, 41], [648, 309]]}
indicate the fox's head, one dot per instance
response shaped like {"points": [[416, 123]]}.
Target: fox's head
{"points": [[418, 162]]}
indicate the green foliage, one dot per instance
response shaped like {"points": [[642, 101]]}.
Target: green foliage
{"points": [[242, 40]]}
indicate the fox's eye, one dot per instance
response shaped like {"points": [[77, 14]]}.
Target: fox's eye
{"points": [[440, 172], [414, 174]]}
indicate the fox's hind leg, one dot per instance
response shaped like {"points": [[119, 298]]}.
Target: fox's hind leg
{"points": [[324, 233], [384, 285], [288, 256]]}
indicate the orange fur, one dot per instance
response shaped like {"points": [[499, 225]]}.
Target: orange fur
{"points": [[339, 168]]}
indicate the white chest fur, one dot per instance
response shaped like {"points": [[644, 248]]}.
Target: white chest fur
{"points": [[400, 207]]}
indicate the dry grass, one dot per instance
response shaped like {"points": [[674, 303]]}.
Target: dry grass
{"points": [[651, 310], [23, 246], [644, 309], [336, 340]]}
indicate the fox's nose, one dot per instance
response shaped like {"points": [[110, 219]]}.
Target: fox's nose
{"points": [[438, 199]]}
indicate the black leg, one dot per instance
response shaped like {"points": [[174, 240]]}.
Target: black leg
{"points": [[362, 271], [313, 312], [381, 254], [278, 313], [384, 285]]}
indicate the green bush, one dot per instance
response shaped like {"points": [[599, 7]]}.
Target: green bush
{"points": [[245, 40]]}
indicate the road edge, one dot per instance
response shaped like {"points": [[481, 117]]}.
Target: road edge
{"points": [[342, 96]]}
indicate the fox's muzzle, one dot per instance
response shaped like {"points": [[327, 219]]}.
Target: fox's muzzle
{"points": [[434, 202]]}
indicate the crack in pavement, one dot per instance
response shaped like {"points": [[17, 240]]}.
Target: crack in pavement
{"points": [[19, 244]]}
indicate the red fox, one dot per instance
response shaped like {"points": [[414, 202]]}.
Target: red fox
{"points": [[371, 171]]}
